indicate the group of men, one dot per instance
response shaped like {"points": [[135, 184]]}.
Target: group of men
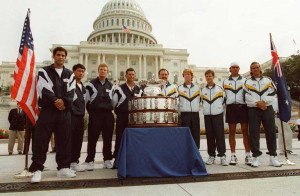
{"points": [[63, 99]]}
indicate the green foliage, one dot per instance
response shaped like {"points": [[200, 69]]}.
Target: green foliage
{"points": [[291, 70]]}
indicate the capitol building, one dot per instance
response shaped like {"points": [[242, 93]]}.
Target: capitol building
{"points": [[109, 44], [138, 49]]}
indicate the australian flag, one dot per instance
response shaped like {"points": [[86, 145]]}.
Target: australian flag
{"points": [[284, 99]]}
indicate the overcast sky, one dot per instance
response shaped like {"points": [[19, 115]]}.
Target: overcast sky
{"points": [[215, 32]]}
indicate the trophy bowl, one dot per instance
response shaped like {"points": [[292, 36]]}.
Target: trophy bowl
{"points": [[152, 110], [152, 90]]}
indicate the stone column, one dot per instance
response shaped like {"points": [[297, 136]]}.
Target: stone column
{"points": [[100, 38], [127, 61], [112, 38], [98, 59], [116, 67], [81, 58], [86, 65], [156, 65], [106, 38], [145, 70], [140, 67], [161, 62], [103, 60], [125, 40], [120, 38]]}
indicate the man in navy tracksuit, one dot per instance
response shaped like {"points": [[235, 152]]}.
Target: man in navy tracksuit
{"points": [[99, 106], [55, 88], [78, 111], [122, 95]]}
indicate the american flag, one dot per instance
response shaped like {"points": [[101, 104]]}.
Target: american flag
{"points": [[126, 30], [24, 87], [283, 95]]}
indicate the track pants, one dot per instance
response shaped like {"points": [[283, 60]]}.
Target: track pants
{"points": [[59, 122], [121, 124], [191, 120], [77, 129], [256, 117], [100, 121], [214, 126]]}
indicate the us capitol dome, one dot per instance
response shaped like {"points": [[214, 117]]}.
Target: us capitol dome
{"points": [[139, 49], [115, 14]]}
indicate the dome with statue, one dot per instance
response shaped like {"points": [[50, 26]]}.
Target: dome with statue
{"points": [[117, 15]]}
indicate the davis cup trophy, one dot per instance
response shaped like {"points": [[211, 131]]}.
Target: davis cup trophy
{"points": [[153, 110]]}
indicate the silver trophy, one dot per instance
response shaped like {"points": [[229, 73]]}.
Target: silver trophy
{"points": [[152, 87]]}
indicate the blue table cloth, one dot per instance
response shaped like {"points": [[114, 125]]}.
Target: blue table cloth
{"points": [[158, 152]]}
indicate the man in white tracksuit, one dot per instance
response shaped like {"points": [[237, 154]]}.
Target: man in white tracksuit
{"points": [[189, 105], [259, 94], [236, 111], [168, 90], [213, 98]]}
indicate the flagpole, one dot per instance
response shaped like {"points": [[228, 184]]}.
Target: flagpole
{"points": [[283, 138], [25, 173]]}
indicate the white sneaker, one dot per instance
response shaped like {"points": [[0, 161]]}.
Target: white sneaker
{"points": [[76, 167], [73, 171], [37, 177], [223, 161], [65, 173], [255, 162], [248, 160], [90, 166], [233, 160], [210, 160], [107, 164], [274, 162]]}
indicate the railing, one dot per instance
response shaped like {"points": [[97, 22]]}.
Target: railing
{"points": [[120, 44], [6, 99]]}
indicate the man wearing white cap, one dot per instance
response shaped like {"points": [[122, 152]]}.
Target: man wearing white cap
{"points": [[236, 111]]}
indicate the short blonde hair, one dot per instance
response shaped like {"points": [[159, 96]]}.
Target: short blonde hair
{"points": [[103, 65], [188, 71]]}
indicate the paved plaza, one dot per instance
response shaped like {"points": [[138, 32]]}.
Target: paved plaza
{"points": [[257, 184]]}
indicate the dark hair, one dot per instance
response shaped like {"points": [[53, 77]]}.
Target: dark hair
{"points": [[129, 69], [209, 72], [75, 67], [163, 69], [59, 49]]}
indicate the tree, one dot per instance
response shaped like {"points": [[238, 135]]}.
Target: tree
{"points": [[291, 70]]}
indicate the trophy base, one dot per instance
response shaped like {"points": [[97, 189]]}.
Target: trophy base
{"points": [[150, 125]]}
